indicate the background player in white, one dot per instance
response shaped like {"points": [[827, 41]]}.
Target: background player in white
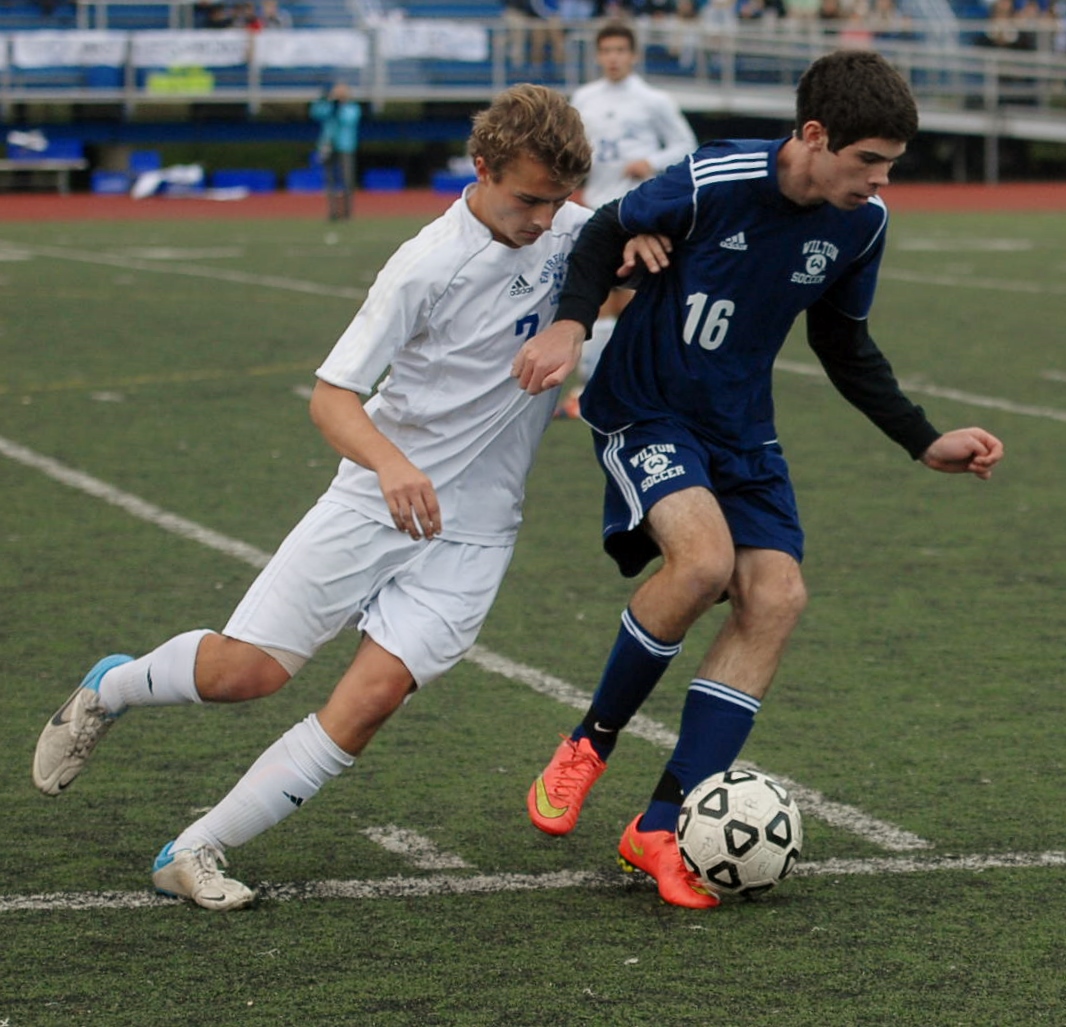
{"points": [[636, 131], [412, 538], [682, 412]]}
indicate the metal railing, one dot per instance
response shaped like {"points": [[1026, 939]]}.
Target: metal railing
{"points": [[737, 69], [93, 14]]}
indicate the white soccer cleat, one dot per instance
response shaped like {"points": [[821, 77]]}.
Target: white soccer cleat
{"points": [[72, 733], [194, 874]]}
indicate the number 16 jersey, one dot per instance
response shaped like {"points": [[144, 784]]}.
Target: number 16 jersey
{"points": [[698, 341]]}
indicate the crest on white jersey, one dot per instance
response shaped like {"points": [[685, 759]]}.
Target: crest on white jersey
{"points": [[554, 271]]}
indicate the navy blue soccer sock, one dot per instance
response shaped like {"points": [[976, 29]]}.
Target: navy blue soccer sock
{"points": [[715, 724], [637, 662]]}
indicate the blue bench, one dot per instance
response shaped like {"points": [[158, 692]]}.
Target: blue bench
{"points": [[56, 162]]}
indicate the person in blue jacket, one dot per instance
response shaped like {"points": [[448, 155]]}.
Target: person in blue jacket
{"points": [[339, 115]]}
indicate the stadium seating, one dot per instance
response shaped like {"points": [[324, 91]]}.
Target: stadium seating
{"points": [[452, 8], [22, 15], [321, 14]]}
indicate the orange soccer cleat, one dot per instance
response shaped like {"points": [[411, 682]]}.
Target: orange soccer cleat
{"points": [[656, 853], [555, 798]]}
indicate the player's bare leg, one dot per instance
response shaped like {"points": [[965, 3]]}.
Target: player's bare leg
{"points": [[372, 688], [767, 598], [229, 670], [698, 563]]}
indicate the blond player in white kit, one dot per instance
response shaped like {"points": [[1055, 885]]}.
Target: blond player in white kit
{"points": [[411, 540], [636, 131]]}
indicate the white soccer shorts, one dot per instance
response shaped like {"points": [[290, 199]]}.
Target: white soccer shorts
{"points": [[424, 602]]}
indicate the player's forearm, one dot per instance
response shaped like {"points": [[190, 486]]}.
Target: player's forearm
{"points": [[591, 272], [339, 415], [862, 374]]}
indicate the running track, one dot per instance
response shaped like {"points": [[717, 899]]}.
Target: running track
{"points": [[1025, 196]]}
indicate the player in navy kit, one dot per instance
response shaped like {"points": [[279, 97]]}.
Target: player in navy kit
{"points": [[683, 420]]}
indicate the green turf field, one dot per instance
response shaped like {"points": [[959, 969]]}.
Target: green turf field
{"points": [[919, 711]]}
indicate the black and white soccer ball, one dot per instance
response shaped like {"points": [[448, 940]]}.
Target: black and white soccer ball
{"points": [[741, 832]]}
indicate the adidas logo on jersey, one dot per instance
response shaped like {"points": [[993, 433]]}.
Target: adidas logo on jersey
{"points": [[734, 242], [520, 287]]}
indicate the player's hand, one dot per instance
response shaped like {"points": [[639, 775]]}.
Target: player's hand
{"points": [[411, 498], [651, 251], [545, 360], [965, 450], [640, 170]]}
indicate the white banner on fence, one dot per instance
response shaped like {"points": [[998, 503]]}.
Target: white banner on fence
{"points": [[312, 48], [68, 49], [227, 48], [217, 48], [429, 37]]}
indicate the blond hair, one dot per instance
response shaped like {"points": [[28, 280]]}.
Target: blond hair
{"points": [[537, 122]]}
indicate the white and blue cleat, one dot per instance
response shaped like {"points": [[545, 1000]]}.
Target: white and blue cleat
{"points": [[72, 733], [194, 874]]}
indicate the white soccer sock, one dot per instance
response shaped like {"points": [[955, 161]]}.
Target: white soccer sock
{"points": [[164, 677], [285, 776]]}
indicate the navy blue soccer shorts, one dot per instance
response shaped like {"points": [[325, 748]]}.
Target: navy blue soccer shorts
{"points": [[651, 459]]}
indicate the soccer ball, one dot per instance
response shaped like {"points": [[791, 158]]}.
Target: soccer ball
{"points": [[741, 832]]}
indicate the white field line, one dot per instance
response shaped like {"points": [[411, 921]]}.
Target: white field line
{"points": [[964, 246], [494, 884], [219, 274], [847, 818], [134, 505], [113, 389], [417, 849], [925, 389], [973, 282], [9, 249]]}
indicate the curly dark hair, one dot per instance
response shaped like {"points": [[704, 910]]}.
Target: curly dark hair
{"points": [[856, 94], [535, 121]]}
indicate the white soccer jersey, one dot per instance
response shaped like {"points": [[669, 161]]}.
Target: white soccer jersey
{"points": [[627, 121], [446, 315]]}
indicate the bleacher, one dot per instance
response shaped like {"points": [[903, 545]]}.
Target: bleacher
{"points": [[322, 14], [26, 15], [454, 52], [451, 8], [129, 15]]}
